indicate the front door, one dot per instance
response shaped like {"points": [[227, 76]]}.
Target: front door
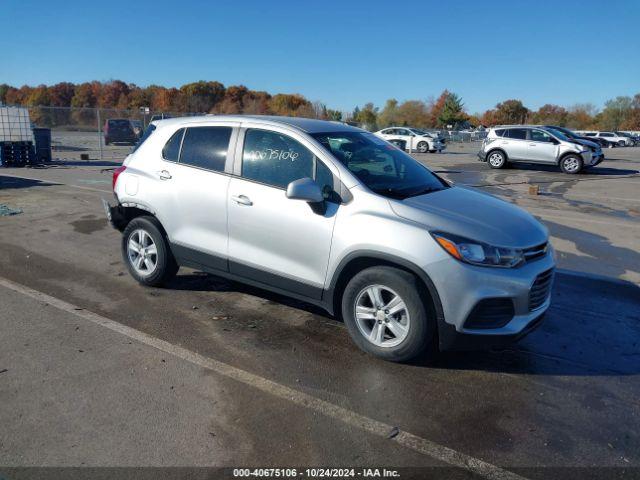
{"points": [[274, 240], [542, 147]]}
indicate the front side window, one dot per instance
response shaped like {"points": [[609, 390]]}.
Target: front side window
{"points": [[206, 147], [540, 136], [380, 166], [275, 159], [171, 150], [606, 134]]}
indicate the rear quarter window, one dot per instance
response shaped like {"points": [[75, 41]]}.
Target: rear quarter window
{"points": [[171, 150], [500, 132]]}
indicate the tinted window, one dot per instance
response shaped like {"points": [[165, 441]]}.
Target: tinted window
{"points": [[171, 150], [119, 123], [606, 134], [274, 158], [517, 133], [500, 132], [206, 147], [383, 168], [540, 136]]}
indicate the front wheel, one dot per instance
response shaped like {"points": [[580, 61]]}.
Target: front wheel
{"points": [[146, 252], [571, 164], [621, 143], [385, 314], [423, 147]]}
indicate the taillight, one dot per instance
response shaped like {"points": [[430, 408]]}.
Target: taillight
{"points": [[116, 174]]}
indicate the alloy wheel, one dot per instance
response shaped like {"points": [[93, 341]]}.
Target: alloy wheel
{"points": [[495, 159], [142, 252], [382, 316]]}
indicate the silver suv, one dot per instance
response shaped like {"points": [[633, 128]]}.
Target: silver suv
{"points": [[534, 144], [337, 217]]}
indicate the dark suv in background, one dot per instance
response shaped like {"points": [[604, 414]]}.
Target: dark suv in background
{"points": [[119, 130]]}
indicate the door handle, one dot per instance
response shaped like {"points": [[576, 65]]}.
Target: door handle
{"points": [[532, 144], [164, 175], [242, 200]]}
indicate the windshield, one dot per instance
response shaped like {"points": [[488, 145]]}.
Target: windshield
{"points": [[558, 134], [382, 167], [565, 131]]}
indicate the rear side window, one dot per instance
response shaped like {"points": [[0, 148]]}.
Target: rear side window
{"points": [[206, 147], [500, 133], [274, 158], [517, 133], [171, 150]]}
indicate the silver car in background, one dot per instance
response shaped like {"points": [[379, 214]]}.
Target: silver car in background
{"points": [[335, 216], [534, 144]]}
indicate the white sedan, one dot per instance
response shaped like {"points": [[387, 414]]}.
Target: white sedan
{"points": [[412, 139]]}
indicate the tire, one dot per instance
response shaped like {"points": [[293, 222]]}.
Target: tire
{"points": [[496, 159], [571, 164], [413, 323], [621, 143], [423, 147], [146, 232]]}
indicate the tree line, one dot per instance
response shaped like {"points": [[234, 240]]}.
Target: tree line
{"points": [[447, 110]]}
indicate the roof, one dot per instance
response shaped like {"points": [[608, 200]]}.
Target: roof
{"points": [[308, 125]]}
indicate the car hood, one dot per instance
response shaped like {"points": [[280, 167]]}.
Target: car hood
{"points": [[475, 215], [586, 143]]}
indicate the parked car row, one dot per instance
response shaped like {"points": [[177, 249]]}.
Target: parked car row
{"points": [[507, 144], [412, 139], [612, 139]]}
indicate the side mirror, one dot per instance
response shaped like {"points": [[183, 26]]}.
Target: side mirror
{"points": [[305, 189]]}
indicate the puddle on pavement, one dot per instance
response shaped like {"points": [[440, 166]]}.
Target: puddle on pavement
{"points": [[88, 225]]}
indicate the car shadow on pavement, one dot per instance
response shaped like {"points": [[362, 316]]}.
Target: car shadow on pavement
{"points": [[593, 171], [591, 329], [15, 182], [204, 282]]}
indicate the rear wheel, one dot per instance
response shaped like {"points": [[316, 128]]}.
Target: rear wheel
{"points": [[385, 314], [571, 164], [146, 252], [497, 159]]}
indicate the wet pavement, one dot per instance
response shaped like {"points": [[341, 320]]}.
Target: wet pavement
{"points": [[565, 396]]}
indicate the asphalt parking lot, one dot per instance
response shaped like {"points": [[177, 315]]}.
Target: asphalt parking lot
{"points": [[99, 371]]}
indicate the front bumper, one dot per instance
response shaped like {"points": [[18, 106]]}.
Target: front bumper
{"points": [[461, 287]]}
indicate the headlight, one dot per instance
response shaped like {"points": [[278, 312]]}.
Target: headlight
{"points": [[478, 253]]}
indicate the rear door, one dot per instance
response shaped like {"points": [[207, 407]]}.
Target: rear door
{"points": [[542, 147], [516, 144], [196, 170], [272, 239]]}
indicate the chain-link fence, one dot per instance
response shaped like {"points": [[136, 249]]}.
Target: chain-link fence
{"points": [[109, 134], [93, 133]]}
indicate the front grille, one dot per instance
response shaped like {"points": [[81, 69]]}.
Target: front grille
{"points": [[540, 290], [490, 313], [538, 251]]}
